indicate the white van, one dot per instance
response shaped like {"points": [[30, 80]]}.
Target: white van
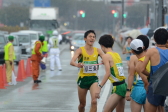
{"points": [[34, 36]]}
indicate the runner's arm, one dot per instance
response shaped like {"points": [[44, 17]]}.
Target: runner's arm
{"points": [[124, 50], [74, 58], [131, 71], [100, 52], [106, 62], [144, 77], [141, 67]]}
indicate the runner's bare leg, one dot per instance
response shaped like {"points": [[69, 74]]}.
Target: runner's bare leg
{"points": [[112, 102], [82, 99], [93, 92]]}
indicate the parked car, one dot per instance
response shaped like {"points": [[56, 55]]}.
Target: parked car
{"points": [[77, 41], [3, 42]]}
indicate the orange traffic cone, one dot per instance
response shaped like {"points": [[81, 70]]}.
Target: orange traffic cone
{"points": [[2, 86], [4, 75], [20, 73], [23, 69], [28, 68]]}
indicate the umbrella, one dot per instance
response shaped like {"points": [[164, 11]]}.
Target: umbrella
{"points": [[144, 31], [134, 33], [150, 33], [160, 81]]}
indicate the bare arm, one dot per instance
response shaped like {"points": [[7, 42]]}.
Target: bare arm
{"points": [[100, 52], [141, 67], [107, 69], [124, 50], [74, 58], [131, 71], [131, 75]]}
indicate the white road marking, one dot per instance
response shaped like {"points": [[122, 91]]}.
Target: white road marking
{"points": [[104, 97]]}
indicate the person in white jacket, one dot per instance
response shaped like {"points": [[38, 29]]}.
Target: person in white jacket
{"points": [[54, 50]]}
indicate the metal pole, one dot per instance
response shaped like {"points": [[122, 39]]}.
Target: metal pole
{"points": [[147, 16], [122, 20], [160, 14], [163, 15]]}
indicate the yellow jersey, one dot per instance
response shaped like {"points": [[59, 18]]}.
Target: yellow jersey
{"points": [[117, 71], [89, 61], [137, 78]]}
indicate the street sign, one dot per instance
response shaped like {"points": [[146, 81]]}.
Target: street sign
{"points": [[42, 3]]}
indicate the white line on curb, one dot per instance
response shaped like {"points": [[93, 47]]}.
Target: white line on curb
{"points": [[104, 96]]}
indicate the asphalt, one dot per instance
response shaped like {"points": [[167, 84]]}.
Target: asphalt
{"points": [[58, 90]]}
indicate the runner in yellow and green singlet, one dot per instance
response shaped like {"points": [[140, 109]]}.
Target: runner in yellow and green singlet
{"points": [[87, 77], [114, 72]]}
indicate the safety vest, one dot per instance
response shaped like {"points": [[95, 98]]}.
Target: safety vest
{"points": [[6, 49], [40, 50], [45, 46]]}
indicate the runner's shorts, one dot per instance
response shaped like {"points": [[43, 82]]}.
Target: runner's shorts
{"points": [[156, 100], [138, 94], [86, 81], [120, 89]]}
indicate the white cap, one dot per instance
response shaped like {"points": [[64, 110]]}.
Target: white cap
{"points": [[55, 33], [135, 44]]}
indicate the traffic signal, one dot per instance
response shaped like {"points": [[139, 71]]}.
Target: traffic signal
{"points": [[113, 11], [82, 13], [115, 14], [124, 15]]}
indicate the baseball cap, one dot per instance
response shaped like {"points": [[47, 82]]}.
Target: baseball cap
{"points": [[136, 44]]}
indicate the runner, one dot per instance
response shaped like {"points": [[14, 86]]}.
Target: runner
{"points": [[157, 56], [87, 79], [127, 49], [114, 72], [138, 92]]}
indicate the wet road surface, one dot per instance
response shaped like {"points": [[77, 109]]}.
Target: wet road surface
{"points": [[56, 93]]}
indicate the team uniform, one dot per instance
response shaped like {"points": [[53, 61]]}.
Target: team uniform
{"points": [[88, 74], [117, 77], [154, 99], [138, 93], [54, 52], [128, 49]]}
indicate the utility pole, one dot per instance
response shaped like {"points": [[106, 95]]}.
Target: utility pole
{"points": [[122, 20], [160, 14]]}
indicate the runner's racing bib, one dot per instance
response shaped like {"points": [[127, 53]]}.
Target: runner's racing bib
{"points": [[120, 69], [90, 67]]}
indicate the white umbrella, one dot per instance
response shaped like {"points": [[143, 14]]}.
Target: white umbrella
{"points": [[134, 33]]}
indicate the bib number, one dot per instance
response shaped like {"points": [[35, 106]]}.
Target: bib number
{"points": [[55, 43], [120, 69], [89, 67]]}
